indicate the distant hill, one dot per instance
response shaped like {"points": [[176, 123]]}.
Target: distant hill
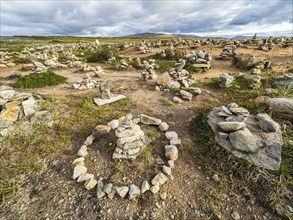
{"points": [[162, 35], [148, 35]]}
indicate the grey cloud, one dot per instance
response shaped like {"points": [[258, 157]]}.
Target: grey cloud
{"points": [[117, 18]]}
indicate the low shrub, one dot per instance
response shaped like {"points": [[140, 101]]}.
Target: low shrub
{"points": [[103, 54], [38, 80]]}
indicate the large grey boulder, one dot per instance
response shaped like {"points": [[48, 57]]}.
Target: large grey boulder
{"points": [[265, 149], [282, 107]]}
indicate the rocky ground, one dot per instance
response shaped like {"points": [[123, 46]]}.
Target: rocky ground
{"points": [[195, 192]]}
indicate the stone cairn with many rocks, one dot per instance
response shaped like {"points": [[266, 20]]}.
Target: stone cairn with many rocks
{"points": [[127, 125], [144, 47], [200, 59], [18, 106], [228, 52], [178, 78], [131, 139], [148, 70], [257, 139]]}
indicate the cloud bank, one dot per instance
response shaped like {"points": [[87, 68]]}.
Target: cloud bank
{"points": [[119, 18]]}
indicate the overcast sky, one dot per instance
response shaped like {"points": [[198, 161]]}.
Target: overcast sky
{"points": [[119, 18]]}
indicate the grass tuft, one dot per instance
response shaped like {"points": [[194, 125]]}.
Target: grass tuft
{"points": [[39, 80]]}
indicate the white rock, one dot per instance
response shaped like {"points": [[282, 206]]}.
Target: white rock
{"points": [[84, 177], [90, 183], [159, 179], [171, 152], [28, 107], [231, 126], [134, 191], [78, 170], [7, 94], [145, 186], [163, 126], [171, 134], [163, 195], [113, 124], [108, 188], [177, 99], [78, 161], [171, 164], [122, 191], [155, 189], [175, 141], [82, 151], [167, 170], [100, 187]]}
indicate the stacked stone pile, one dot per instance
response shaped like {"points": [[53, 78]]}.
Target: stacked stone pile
{"points": [[257, 139], [86, 83], [176, 78], [17, 106], [131, 140], [228, 52], [200, 59], [148, 70]]}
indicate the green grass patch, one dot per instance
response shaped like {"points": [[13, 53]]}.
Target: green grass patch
{"points": [[147, 153], [22, 60], [164, 65], [39, 80], [75, 117]]}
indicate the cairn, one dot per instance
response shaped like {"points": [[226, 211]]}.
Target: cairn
{"points": [[131, 139]]}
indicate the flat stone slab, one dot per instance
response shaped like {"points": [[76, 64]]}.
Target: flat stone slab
{"points": [[270, 143], [114, 98]]}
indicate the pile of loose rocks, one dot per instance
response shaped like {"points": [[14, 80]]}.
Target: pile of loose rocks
{"points": [[131, 139], [228, 52], [181, 79], [200, 59], [129, 136], [86, 83], [148, 71], [17, 106], [176, 78], [257, 139]]}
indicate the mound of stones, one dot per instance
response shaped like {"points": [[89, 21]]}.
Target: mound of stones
{"points": [[86, 83], [17, 106], [130, 137], [228, 52], [176, 78], [257, 139], [200, 59], [144, 47], [148, 70]]}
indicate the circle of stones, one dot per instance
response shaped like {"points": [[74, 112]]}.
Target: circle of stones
{"points": [[107, 189]]}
